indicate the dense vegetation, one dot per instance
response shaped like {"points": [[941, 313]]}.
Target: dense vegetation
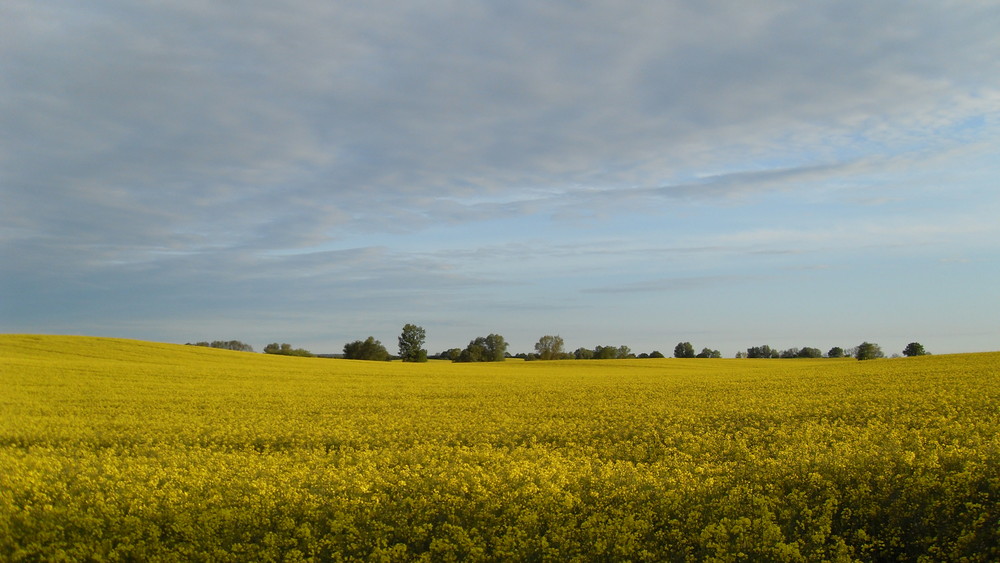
{"points": [[120, 450]]}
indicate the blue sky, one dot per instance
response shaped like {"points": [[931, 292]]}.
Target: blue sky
{"points": [[638, 173]]}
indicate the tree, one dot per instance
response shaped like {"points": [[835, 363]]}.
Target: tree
{"points": [[549, 347], [492, 348], [624, 353], [764, 351], [914, 349], [411, 342], [583, 354], [684, 350], [790, 353], [605, 352], [285, 349], [656, 354], [808, 352], [369, 349], [709, 353], [235, 345], [450, 354], [869, 351], [835, 352]]}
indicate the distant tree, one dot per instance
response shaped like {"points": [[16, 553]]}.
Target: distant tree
{"points": [[624, 352], [583, 354], [790, 353], [450, 354], [368, 349], [605, 352], [684, 350], [235, 345], [411, 342], [709, 353], [656, 354], [492, 348], [549, 347], [740, 355], [285, 349], [762, 352], [914, 349], [835, 352], [869, 351], [808, 352]]}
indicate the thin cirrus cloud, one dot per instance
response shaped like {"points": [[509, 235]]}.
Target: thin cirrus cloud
{"points": [[159, 150]]}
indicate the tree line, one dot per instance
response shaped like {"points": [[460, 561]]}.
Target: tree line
{"points": [[494, 348]]}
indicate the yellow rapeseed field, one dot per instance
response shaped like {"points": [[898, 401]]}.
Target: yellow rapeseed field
{"points": [[115, 450]]}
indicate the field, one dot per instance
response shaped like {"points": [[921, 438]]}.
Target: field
{"points": [[123, 450]]}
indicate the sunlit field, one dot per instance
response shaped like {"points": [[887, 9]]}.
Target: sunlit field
{"points": [[122, 450]]}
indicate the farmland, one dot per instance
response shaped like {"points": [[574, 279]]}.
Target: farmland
{"points": [[125, 450]]}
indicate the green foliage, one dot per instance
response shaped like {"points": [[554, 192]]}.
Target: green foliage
{"points": [[549, 347], [411, 342], [684, 350], [709, 353], [762, 352], [368, 349], [656, 354], [836, 352], [869, 351], [914, 349], [809, 352], [286, 350], [234, 345], [492, 348], [123, 451], [605, 353]]}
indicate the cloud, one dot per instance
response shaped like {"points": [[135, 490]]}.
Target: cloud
{"points": [[255, 153]]}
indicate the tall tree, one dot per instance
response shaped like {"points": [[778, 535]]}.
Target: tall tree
{"points": [[411, 342], [914, 349], [549, 347], [684, 350]]}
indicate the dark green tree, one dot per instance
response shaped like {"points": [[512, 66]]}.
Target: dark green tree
{"points": [[835, 352], [914, 349], [411, 342], [656, 354], [684, 350], [869, 351], [549, 347], [285, 349], [809, 352], [235, 345], [583, 354], [369, 349], [605, 352], [492, 348], [709, 353], [764, 351]]}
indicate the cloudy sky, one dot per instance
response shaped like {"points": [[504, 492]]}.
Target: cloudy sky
{"points": [[642, 173]]}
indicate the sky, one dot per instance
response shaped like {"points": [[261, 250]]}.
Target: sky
{"points": [[725, 173]]}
